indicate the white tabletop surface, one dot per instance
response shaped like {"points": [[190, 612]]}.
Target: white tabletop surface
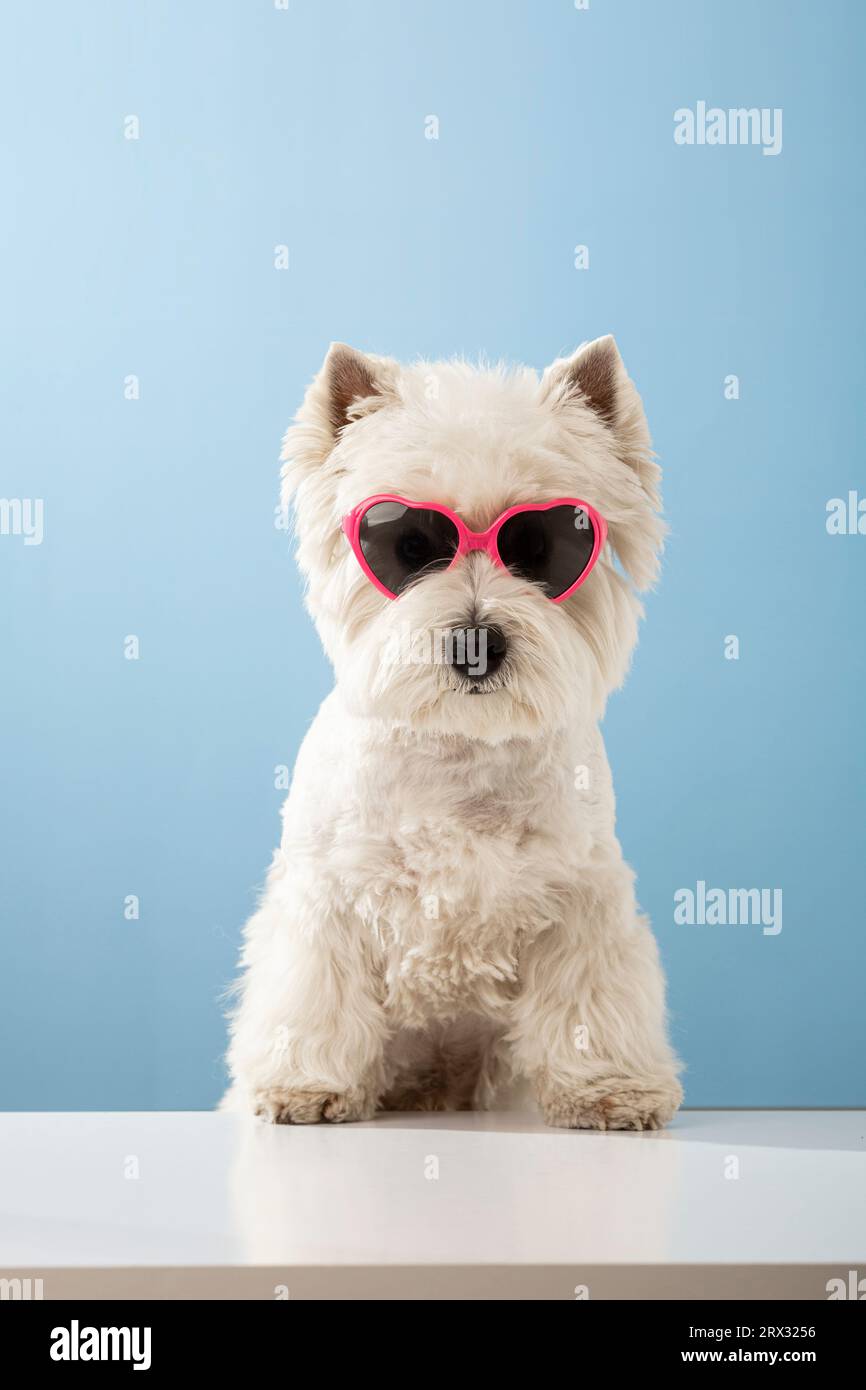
{"points": [[138, 1190]]}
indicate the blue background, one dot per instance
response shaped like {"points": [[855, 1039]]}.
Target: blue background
{"points": [[260, 127]]}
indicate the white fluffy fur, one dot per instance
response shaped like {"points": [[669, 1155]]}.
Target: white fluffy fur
{"points": [[446, 908]]}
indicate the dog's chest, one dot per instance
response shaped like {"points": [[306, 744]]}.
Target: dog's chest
{"points": [[454, 895]]}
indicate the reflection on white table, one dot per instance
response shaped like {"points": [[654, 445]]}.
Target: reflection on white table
{"points": [[189, 1192]]}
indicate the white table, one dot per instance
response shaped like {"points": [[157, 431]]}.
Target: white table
{"points": [[731, 1204]]}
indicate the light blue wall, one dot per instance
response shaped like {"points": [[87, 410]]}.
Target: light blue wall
{"points": [[258, 127]]}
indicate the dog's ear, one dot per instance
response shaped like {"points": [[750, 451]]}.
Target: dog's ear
{"points": [[349, 378], [595, 378], [348, 384], [590, 375]]}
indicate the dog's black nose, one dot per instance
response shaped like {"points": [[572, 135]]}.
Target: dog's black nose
{"points": [[476, 652]]}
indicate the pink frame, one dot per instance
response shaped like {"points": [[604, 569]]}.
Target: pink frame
{"points": [[474, 540]]}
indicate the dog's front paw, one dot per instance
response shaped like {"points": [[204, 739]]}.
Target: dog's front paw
{"points": [[612, 1102], [285, 1106]]}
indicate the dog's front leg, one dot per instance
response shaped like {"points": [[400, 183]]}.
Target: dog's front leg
{"points": [[589, 1023], [308, 1036]]}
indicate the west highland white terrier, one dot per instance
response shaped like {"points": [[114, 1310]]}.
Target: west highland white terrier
{"points": [[449, 906]]}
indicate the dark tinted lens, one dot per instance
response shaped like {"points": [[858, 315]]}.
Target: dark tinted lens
{"points": [[399, 542], [552, 548]]}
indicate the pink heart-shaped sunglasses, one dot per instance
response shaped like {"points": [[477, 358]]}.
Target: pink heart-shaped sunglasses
{"points": [[552, 544]]}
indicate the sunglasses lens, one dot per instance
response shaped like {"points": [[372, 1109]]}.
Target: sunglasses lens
{"points": [[552, 548], [400, 543]]}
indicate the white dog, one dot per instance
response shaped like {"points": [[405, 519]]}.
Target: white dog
{"points": [[449, 905]]}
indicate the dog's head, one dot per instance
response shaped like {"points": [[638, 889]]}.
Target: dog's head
{"points": [[477, 441]]}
